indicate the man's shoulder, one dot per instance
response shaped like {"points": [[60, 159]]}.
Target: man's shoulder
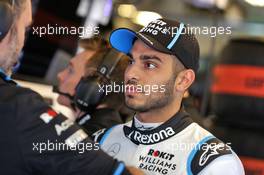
{"points": [[23, 99], [208, 151], [116, 130], [228, 164], [28, 106], [194, 132], [15, 92]]}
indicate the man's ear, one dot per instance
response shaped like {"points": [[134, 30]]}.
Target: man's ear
{"points": [[184, 80]]}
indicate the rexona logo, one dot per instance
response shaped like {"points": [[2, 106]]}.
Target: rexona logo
{"points": [[151, 138], [160, 154]]}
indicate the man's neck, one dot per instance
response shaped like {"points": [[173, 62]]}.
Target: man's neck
{"points": [[161, 114]]}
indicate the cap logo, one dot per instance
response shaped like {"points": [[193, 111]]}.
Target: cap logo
{"points": [[155, 27]]}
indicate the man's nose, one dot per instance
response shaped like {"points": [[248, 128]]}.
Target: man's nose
{"points": [[60, 76], [132, 72]]}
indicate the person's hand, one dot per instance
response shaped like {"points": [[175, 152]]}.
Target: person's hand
{"points": [[135, 171]]}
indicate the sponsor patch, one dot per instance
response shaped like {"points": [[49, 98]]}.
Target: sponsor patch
{"points": [[157, 161], [63, 126], [98, 135], [205, 153], [114, 149], [84, 119], [48, 116], [210, 150], [139, 138], [76, 138]]}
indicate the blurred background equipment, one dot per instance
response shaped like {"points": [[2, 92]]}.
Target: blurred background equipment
{"points": [[238, 100], [63, 28], [255, 2], [238, 86], [241, 16]]}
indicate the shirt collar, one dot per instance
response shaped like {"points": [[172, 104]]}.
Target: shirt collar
{"points": [[145, 126], [164, 131]]}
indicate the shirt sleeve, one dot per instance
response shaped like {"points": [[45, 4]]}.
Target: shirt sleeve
{"points": [[226, 164], [52, 144]]}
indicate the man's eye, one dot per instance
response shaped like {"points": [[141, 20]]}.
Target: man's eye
{"points": [[130, 62], [150, 65]]}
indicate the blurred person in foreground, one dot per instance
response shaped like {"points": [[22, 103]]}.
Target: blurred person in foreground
{"points": [[34, 138]]}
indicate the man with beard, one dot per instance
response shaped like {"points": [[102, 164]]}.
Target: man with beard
{"points": [[34, 138], [162, 138]]}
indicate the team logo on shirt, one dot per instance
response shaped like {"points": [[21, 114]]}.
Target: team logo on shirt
{"points": [[157, 161], [48, 116], [209, 151], [205, 153], [98, 135], [141, 138], [114, 149]]}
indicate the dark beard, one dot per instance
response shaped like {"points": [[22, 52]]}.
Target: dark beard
{"points": [[156, 102]]}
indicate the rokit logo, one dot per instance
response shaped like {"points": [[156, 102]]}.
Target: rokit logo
{"points": [[158, 162], [64, 126], [160, 154], [151, 138]]}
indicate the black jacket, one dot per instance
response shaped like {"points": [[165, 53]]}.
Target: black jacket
{"points": [[99, 119], [28, 124]]}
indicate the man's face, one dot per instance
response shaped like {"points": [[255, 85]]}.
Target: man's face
{"points": [[149, 68], [14, 41], [70, 77]]}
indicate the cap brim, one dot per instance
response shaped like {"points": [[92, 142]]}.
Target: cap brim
{"points": [[122, 40]]}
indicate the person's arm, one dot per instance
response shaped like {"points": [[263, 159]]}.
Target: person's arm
{"points": [[41, 130]]}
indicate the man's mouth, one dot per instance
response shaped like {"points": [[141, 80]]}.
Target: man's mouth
{"points": [[131, 89]]}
